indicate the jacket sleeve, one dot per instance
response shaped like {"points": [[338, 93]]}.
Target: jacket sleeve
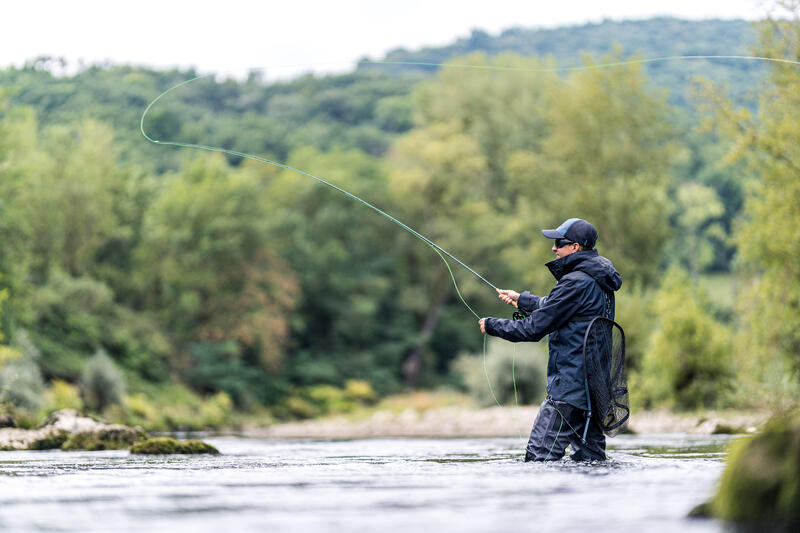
{"points": [[528, 302], [554, 311]]}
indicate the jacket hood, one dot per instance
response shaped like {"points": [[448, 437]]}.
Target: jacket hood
{"points": [[589, 262]]}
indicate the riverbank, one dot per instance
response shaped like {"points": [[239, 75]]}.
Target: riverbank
{"points": [[461, 421]]}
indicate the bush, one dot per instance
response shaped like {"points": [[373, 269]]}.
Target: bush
{"points": [[360, 391], [70, 318], [62, 395], [529, 372], [103, 383], [21, 383], [216, 410], [688, 364], [73, 317], [320, 400], [173, 408], [329, 399]]}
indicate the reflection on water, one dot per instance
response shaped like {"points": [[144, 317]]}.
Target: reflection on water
{"points": [[649, 484]]}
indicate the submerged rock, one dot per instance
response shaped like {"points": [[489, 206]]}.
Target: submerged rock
{"points": [[69, 430], [168, 445], [760, 487]]}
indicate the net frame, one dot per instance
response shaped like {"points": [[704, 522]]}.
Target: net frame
{"points": [[610, 395]]}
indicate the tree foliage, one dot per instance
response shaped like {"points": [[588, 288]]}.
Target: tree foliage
{"points": [[257, 283], [769, 236]]}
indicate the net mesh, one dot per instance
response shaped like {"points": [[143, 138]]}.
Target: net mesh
{"points": [[604, 364]]}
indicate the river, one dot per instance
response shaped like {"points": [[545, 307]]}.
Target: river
{"points": [[402, 484]]}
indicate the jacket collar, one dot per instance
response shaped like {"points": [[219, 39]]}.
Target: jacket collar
{"points": [[564, 265]]}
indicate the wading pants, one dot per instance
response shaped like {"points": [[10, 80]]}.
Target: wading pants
{"points": [[559, 424]]}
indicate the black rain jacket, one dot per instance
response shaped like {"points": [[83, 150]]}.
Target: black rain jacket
{"points": [[585, 289]]}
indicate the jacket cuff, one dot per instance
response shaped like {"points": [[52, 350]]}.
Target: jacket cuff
{"points": [[489, 326], [527, 302]]}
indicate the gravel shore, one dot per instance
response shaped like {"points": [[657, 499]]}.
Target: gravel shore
{"points": [[494, 422]]}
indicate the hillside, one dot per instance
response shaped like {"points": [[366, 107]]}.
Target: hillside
{"points": [[652, 38]]}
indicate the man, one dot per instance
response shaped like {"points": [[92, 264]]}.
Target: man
{"points": [[585, 289]]}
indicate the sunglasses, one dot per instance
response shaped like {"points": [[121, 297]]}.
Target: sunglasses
{"points": [[563, 242]]}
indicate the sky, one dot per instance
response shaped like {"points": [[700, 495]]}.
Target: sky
{"points": [[287, 38]]}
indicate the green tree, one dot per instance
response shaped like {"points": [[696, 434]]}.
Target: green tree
{"points": [[698, 207], [18, 155], [502, 110], [353, 322], [768, 237], [206, 263], [606, 158], [71, 318], [69, 198], [441, 180]]}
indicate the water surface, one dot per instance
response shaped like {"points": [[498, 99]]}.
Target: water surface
{"points": [[650, 484]]}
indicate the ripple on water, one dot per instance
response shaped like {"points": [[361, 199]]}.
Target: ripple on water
{"points": [[398, 484]]}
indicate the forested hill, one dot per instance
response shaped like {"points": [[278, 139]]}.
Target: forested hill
{"points": [[652, 38]]}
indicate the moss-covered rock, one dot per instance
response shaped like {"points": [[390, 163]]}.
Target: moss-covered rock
{"points": [[70, 430], [50, 441], [111, 438], [761, 484], [168, 445]]}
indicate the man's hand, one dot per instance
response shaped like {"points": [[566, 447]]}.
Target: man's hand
{"points": [[482, 323], [508, 296]]}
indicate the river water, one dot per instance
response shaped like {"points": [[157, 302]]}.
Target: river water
{"points": [[649, 484]]}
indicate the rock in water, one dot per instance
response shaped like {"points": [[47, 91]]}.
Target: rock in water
{"points": [[108, 438], [67, 429], [761, 484], [168, 445]]}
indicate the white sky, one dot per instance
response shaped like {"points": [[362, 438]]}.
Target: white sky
{"points": [[233, 36]]}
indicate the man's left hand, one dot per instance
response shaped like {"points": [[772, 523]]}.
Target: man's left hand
{"points": [[482, 323]]}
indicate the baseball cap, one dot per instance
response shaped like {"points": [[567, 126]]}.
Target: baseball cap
{"points": [[576, 230]]}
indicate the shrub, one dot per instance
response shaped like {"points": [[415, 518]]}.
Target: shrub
{"points": [[529, 372], [688, 363], [103, 383], [329, 399], [359, 390], [319, 400], [62, 395], [173, 407], [21, 383], [298, 407], [216, 410]]}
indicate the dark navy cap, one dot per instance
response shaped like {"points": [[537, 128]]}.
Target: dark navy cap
{"points": [[575, 230]]}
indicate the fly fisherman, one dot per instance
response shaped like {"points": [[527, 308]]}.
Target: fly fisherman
{"points": [[585, 289]]}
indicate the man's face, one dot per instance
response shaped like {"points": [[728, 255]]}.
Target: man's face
{"points": [[561, 249]]}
